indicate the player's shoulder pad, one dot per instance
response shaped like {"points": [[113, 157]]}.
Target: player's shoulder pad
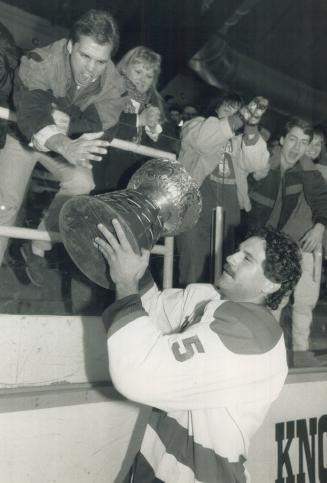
{"points": [[246, 328]]}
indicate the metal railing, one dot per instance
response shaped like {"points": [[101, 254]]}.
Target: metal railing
{"points": [[166, 250]]}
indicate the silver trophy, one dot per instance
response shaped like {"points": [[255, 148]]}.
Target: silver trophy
{"points": [[161, 199]]}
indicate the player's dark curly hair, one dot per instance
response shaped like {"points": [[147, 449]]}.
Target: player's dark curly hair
{"points": [[282, 263]]}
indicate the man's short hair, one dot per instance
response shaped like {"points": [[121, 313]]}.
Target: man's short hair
{"points": [[282, 263], [306, 127], [98, 24], [231, 99]]}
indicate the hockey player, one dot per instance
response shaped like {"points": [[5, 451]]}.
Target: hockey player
{"points": [[210, 361]]}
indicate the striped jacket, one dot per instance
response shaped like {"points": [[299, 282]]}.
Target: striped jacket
{"points": [[209, 368], [303, 178]]}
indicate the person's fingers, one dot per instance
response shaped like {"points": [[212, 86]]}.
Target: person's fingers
{"points": [[97, 144], [92, 135], [84, 164], [94, 149], [121, 235], [104, 247], [92, 140], [110, 237], [91, 157]]}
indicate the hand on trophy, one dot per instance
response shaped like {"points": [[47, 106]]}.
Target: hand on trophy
{"points": [[161, 199], [253, 112], [126, 266]]}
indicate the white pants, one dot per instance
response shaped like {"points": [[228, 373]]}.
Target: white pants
{"points": [[306, 295], [16, 165]]}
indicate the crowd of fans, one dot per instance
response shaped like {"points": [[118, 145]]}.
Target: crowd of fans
{"points": [[71, 100]]}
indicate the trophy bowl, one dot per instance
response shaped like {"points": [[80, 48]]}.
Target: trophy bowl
{"points": [[161, 199]]}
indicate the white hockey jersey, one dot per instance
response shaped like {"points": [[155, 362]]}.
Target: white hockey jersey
{"points": [[209, 368]]}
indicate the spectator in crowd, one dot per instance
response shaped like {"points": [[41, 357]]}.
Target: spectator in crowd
{"points": [[189, 112], [143, 120], [175, 115], [293, 198], [58, 88], [219, 159], [169, 101], [210, 361], [317, 149]]}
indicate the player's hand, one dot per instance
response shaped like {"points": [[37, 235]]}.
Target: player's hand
{"points": [[126, 266], [86, 148]]}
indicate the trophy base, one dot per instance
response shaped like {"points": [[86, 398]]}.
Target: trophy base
{"points": [[79, 219]]}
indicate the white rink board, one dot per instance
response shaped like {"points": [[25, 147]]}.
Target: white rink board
{"points": [[303, 401], [62, 422], [43, 349]]}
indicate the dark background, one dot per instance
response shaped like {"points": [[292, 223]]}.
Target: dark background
{"points": [[274, 48]]}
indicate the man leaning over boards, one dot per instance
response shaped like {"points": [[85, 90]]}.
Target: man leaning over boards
{"points": [[60, 90], [209, 360]]}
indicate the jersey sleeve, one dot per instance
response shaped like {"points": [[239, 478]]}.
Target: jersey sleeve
{"points": [[164, 310], [192, 369]]}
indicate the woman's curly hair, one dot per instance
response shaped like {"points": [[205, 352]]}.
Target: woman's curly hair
{"points": [[282, 263]]}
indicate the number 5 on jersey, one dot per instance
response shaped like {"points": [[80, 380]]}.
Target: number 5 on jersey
{"points": [[186, 348]]}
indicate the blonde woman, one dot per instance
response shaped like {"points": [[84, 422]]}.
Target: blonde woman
{"points": [[142, 121]]}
